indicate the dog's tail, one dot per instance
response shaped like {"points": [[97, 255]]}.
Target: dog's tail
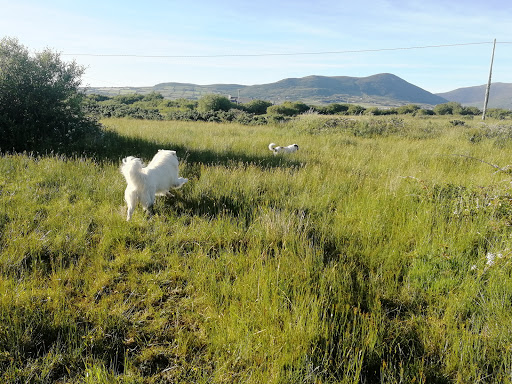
{"points": [[180, 182], [271, 146]]}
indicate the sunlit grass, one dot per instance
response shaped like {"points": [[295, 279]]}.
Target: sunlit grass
{"points": [[362, 257]]}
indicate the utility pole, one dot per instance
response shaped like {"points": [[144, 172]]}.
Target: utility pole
{"points": [[488, 82]]}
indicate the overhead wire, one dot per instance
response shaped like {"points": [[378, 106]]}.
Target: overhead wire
{"points": [[279, 53]]}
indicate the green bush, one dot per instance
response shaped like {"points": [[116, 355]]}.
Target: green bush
{"points": [[374, 111], [40, 101], [153, 96], [258, 107], [214, 103], [451, 108], [128, 98], [408, 109], [288, 109], [424, 112], [498, 113], [180, 104], [333, 109], [354, 109]]}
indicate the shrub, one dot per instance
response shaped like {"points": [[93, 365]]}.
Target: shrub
{"points": [[214, 103], [451, 108], [153, 96], [408, 109], [281, 110], [40, 102], [378, 127], [129, 98], [374, 111], [354, 109], [288, 109], [470, 111], [424, 112], [333, 109], [258, 107], [180, 104], [110, 108], [498, 113]]}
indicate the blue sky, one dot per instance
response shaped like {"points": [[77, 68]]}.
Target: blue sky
{"points": [[257, 42]]}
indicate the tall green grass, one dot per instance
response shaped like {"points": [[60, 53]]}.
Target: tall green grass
{"points": [[360, 258]]}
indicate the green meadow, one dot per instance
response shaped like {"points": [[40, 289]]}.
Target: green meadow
{"points": [[380, 252]]}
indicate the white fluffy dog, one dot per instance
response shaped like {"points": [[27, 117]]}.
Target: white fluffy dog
{"points": [[144, 183], [288, 149]]}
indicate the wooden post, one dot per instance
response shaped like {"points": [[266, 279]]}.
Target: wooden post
{"points": [[487, 89]]}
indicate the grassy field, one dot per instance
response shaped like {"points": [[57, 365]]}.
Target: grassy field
{"points": [[379, 253]]}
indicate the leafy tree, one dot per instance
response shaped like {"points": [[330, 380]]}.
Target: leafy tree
{"points": [[214, 103], [40, 102]]}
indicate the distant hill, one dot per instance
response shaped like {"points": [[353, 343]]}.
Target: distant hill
{"points": [[381, 90], [500, 96]]}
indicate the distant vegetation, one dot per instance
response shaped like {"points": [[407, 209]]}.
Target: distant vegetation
{"points": [[220, 109]]}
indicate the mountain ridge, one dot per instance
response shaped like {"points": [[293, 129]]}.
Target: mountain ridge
{"points": [[500, 95], [382, 89]]}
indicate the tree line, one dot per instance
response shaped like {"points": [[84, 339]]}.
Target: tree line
{"points": [[215, 107]]}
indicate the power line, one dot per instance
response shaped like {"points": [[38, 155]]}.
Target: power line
{"points": [[279, 54]]}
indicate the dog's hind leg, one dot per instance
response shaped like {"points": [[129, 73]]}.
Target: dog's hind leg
{"points": [[149, 210], [130, 196], [147, 201], [129, 214]]}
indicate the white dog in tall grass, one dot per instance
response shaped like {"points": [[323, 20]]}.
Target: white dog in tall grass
{"points": [[144, 183], [288, 149]]}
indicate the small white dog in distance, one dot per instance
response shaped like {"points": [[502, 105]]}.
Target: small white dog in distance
{"points": [[144, 183], [289, 149]]}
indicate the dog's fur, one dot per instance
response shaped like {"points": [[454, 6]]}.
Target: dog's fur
{"points": [[288, 149], [144, 183]]}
